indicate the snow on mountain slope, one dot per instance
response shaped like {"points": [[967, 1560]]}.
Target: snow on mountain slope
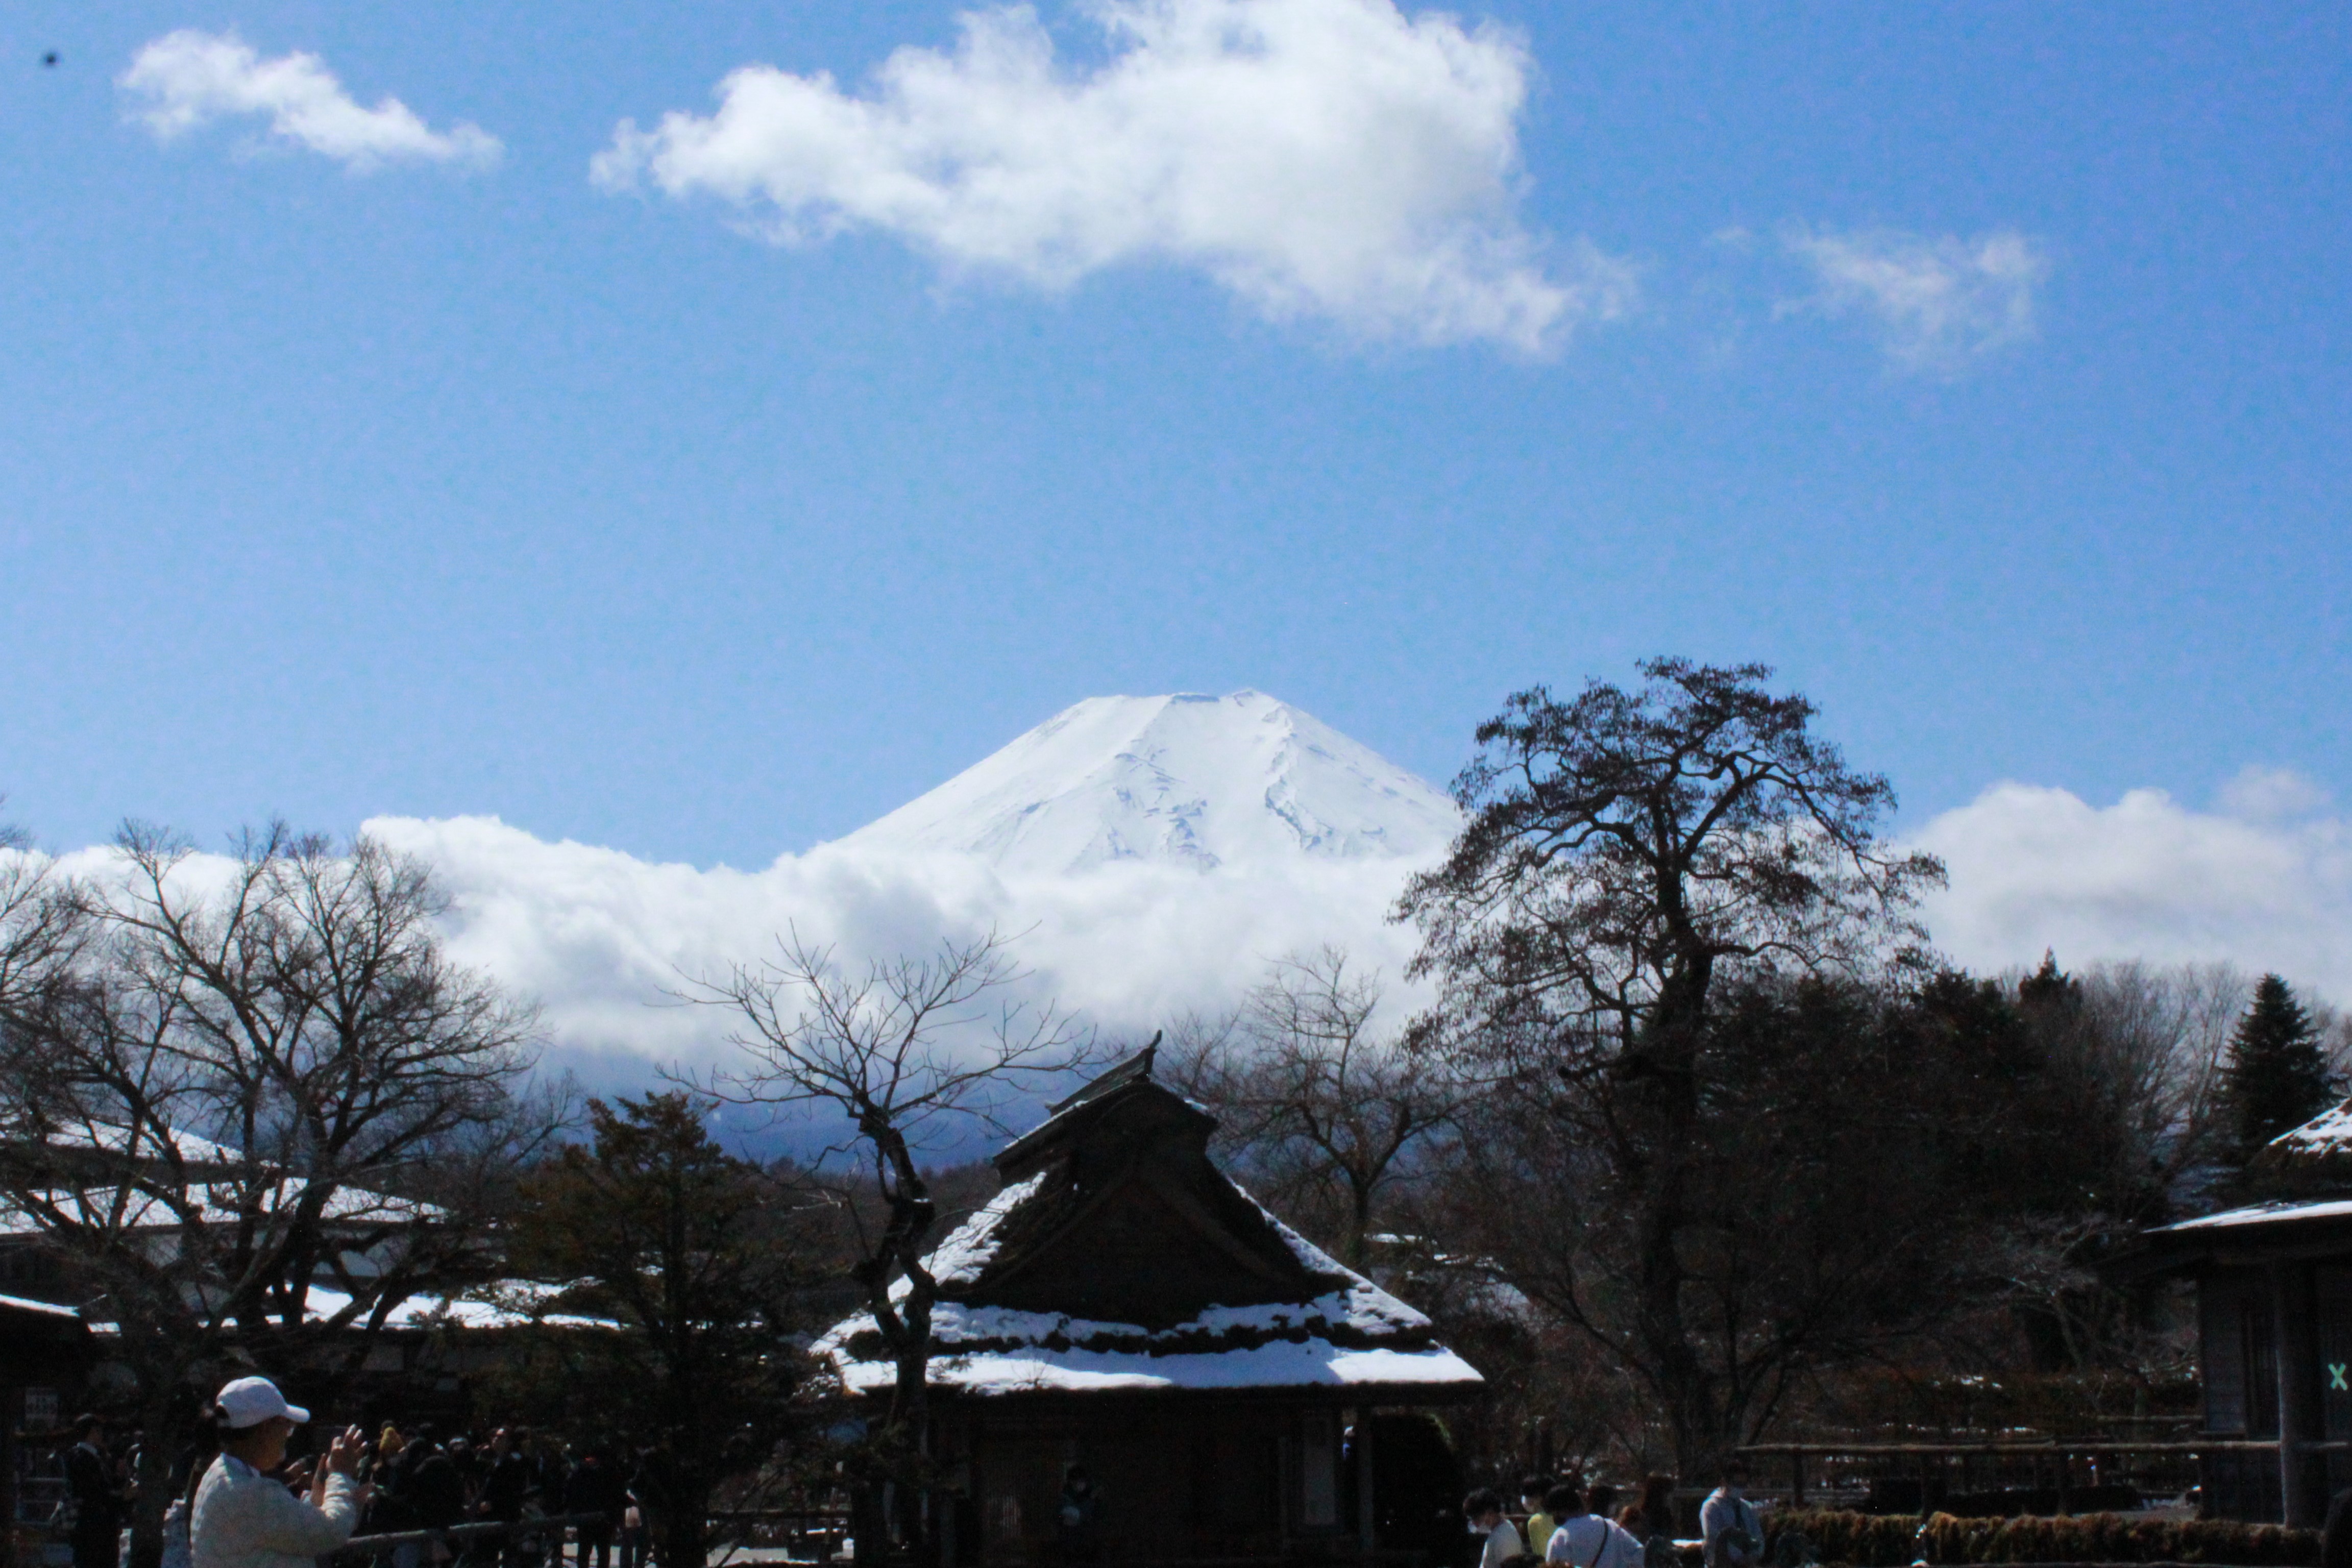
{"points": [[1184, 780]]}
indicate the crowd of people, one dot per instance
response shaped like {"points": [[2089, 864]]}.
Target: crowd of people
{"points": [[239, 1501], [1561, 1521]]}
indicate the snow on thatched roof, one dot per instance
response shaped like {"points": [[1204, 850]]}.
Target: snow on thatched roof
{"points": [[1120, 1179], [2327, 1133]]}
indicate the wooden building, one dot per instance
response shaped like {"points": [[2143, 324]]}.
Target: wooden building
{"points": [[45, 1352], [1122, 1306], [2274, 1329]]}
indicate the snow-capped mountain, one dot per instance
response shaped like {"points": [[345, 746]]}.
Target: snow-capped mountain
{"points": [[1204, 781]]}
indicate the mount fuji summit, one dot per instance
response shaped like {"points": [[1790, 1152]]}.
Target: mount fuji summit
{"points": [[1241, 781]]}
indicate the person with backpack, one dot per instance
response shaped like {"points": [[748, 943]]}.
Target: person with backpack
{"points": [[1584, 1539], [1728, 1523]]}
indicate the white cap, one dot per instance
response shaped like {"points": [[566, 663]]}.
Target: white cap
{"points": [[250, 1401]]}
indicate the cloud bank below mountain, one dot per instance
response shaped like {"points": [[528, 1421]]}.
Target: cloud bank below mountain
{"points": [[600, 936], [2264, 880]]}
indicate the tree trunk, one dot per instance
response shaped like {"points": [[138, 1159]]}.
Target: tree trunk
{"points": [[1666, 1092], [910, 1420], [161, 1439]]}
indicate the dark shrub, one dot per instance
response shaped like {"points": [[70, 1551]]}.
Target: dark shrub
{"points": [[1879, 1541]]}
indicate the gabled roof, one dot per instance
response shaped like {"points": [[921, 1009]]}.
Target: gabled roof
{"points": [[1118, 1257], [2248, 1233], [220, 1185], [2276, 1213]]}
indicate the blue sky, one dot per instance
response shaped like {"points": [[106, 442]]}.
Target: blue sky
{"points": [[435, 489]]}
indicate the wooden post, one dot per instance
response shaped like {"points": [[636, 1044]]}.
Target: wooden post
{"points": [[12, 1415], [2297, 1352], [1366, 1531], [1796, 1477], [2065, 1477]]}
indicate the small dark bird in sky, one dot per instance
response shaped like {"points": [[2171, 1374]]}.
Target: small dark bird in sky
{"points": [[50, 59]]}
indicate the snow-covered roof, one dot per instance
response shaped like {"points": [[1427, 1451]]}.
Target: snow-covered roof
{"points": [[114, 1139], [1342, 1331], [1355, 1335], [511, 1304], [2263, 1214], [50, 1309], [217, 1203], [2330, 1133]]}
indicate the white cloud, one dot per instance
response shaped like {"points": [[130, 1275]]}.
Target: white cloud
{"points": [[599, 935], [1935, 304], [1329, 159], [2265, 882], [188, 80]]}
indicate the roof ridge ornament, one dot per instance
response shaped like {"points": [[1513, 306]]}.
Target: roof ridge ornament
{"points": [[1137, 1068]]}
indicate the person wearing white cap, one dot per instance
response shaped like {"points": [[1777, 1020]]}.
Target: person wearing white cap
{"points": [[245, 1519]]}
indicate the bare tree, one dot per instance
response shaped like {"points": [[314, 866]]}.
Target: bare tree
{"points": [[254, 1112], [43, 925], [906, 1051], [2141, 1049], [2133, 1056], [1318, 1104]]}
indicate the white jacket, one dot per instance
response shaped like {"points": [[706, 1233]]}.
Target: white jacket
{"points": [[245, 1519], [1502, 1545], [1718, 1517], [1589, 1541]]}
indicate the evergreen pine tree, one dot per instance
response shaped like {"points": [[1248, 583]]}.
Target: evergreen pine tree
{"points": [[2277, 1077]]}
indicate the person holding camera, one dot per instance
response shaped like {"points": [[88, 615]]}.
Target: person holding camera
{"points": [[244, 1517]]}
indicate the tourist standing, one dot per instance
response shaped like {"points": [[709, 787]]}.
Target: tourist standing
{"points": [[433, 1487], [1658, 1548], [1484, 1509], [1540, 1523], [1585, 1539], [595, 1488], [1728, 1523], [97, 1491], [245, 1518]]}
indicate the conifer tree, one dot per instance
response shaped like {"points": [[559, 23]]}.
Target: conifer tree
{"points": [[2277, 1077]]}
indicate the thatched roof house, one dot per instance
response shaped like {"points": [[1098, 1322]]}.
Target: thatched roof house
{"points": [[1124, 1306]]}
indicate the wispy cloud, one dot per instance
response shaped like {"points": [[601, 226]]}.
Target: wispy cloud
{"points": [[1334, 160], [1935, 304], [189, 80]]}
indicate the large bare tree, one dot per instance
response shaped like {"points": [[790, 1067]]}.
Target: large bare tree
{"points": [[1627, 852], [253, 1109], [902, 1054]]}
